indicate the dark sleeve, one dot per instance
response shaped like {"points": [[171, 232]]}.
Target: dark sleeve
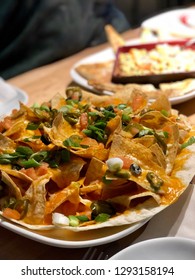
{"points": [[38, 32]]}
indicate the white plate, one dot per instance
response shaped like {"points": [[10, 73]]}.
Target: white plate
{"points": [[107, 55], [170, 23], [101, 56], [165, 248], [98, 57], [10, 97], [69, 239]]}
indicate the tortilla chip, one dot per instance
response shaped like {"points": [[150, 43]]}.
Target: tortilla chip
{"points": [[154, 119], [60, 131], [114, 38], [97, 71], [6, 144], [159, 155], [57, 101], [95, 171], [36, 194], [13, 189], [70, 193], [179, 88], [151, 148], [68, 172]]}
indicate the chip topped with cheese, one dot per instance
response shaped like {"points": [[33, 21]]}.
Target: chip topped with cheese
{"points": [[83, 161]]}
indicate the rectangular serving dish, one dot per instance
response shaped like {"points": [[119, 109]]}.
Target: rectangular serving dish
{"points": [[154, 79]]}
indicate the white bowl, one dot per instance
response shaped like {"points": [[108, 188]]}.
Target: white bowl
{"points": [[165, 248]]}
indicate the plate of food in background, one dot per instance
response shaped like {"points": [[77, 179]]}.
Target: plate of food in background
{"points": [[95, 73]]}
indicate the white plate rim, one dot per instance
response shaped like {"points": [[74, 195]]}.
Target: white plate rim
{"points": [[100, 56], [150, 242], [21, 96], [66, 243], [171, 16]]}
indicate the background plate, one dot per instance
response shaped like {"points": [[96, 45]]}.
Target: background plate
{"points": [[165, 248], [10, 97], [107, 55], [172, 23]]}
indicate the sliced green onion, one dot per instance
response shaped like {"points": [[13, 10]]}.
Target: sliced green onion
{"points": [[5, 161], [127, 111], [188, 143], [32, 126], [73, 141], [164, 113], [73, 221], [66, 109], [122, 106], [24, 150], [83, 218], [102, 217], [53, 164], [106, 181], [39, 156], [7, 158], [87, 132], [123, 174], [44, 107], [29, 163], [126, 118], [65, 155], [144, 132]]}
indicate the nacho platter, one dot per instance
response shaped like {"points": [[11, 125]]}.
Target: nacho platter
{"points": [[74, 163]]}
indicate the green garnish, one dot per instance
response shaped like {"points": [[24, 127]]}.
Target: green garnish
{"points": [[73, 221], [83, 218], [29, 163], [39, 156], [190, 141], [164, 113], [7, 158], [73, 141], [124, 174], [101, 218], [32, 126], [23, 150], [106, 181], [146, 131], [155, 181]]}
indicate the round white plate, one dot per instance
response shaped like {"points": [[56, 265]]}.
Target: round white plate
{"points": [[10, 98], [170, 23], [98, 57], [107, 55], [101, 56], [165, 248], [68, 239]]}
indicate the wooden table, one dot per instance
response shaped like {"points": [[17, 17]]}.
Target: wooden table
{"points": [[41, 84]]}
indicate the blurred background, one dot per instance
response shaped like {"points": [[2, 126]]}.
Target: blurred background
{"points": [[137, 11], [37, 32]]}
